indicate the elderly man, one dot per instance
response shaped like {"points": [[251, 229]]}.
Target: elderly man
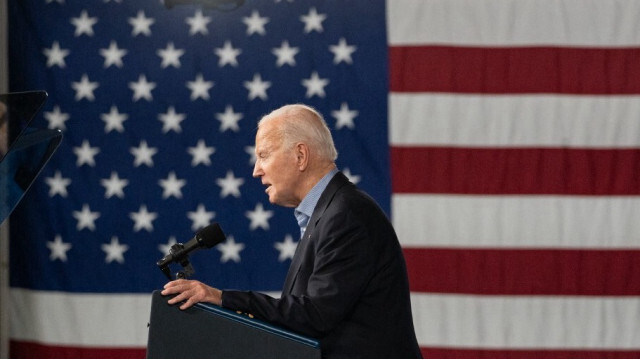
{"points": [[347, 284]]}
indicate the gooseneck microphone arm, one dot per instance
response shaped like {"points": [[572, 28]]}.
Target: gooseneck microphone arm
{"points": [[207, 237]]}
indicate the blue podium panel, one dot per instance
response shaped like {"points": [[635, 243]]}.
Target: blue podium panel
{"points": [[207, 331]]}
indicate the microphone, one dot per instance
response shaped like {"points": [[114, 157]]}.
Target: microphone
{"points": [[207, 237], [216, 4]]}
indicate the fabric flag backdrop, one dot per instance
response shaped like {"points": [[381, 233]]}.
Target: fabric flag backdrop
{"points": [[502, 137]]}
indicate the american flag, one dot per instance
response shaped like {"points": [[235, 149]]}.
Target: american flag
{"points": [[502, 137]]}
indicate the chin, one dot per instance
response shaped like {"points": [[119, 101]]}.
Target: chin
{"points": [[281, 203], [273, 199]]}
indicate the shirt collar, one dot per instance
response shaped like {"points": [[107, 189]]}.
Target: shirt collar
{"points": [[310, 201]]}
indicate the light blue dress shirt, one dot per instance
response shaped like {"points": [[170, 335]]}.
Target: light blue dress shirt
{"points": [[305, 209]]}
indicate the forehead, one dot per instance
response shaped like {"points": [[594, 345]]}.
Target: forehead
{"points": [[268, 135]]}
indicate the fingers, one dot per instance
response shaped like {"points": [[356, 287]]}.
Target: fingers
{"points": [[183, 290], [188, 291], [173, 286], [187, 303]]}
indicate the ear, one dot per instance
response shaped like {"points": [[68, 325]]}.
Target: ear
{"points": [[302, 156]]}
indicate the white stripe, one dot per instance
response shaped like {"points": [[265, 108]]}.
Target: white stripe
{"points": [[514, 22], [102, 320], [527, 322], [516, 221], [471, 120], [449, 320], [90, 320]]}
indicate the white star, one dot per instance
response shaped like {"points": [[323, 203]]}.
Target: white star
{"points": [[58, 249], [143, 154], [315, 85], [257, 87], [313, 21], [230, 250], [200, 218], [55, 55], [259, 217], [113, 55], [113, 120], [56, 118], [84, 24], [142, 88], [166, 248], [171, 120], [230, 185], [342, 52], [170, 56], [114, 250], [199, 88], [143, 219], [85, 154], [58, 184], [86, 218], [227, 54], [114, 186], [285, 54], [201, 153], [229, 119], [287, 248], [355, 179], [198, 23], [344, 117], [172, 186], [141, 24], [84, 88], [251, 150], [255, 23]]}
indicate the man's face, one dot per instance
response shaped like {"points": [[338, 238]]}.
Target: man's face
{"points": [[276, 166]]}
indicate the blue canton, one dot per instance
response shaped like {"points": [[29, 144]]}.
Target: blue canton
{"points": [[159, 109]]}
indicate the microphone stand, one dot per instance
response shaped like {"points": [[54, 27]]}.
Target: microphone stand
{"points": [[187, 269]]}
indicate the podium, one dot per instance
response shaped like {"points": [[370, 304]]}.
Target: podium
{"points": [[208, 331]]}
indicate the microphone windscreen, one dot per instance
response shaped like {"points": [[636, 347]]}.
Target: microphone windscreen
{"points": [[210, 236]]}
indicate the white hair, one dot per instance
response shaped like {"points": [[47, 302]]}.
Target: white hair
{"points": [[302, 123]]}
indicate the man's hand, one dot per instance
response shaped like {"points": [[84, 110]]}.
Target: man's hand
{"points": [[192, 292]]}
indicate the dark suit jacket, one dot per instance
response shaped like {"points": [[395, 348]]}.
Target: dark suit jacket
{"points": [[347, 284]]}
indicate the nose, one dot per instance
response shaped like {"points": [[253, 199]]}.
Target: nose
{"points": [[257, 170]]}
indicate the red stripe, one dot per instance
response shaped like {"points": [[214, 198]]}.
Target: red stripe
{"points": [[24, 350], [515, 170], [524, 271], [514, 70], [30, 350], [452, 353]]}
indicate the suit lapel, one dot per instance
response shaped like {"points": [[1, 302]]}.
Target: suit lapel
{"points": [[336, 182]]}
